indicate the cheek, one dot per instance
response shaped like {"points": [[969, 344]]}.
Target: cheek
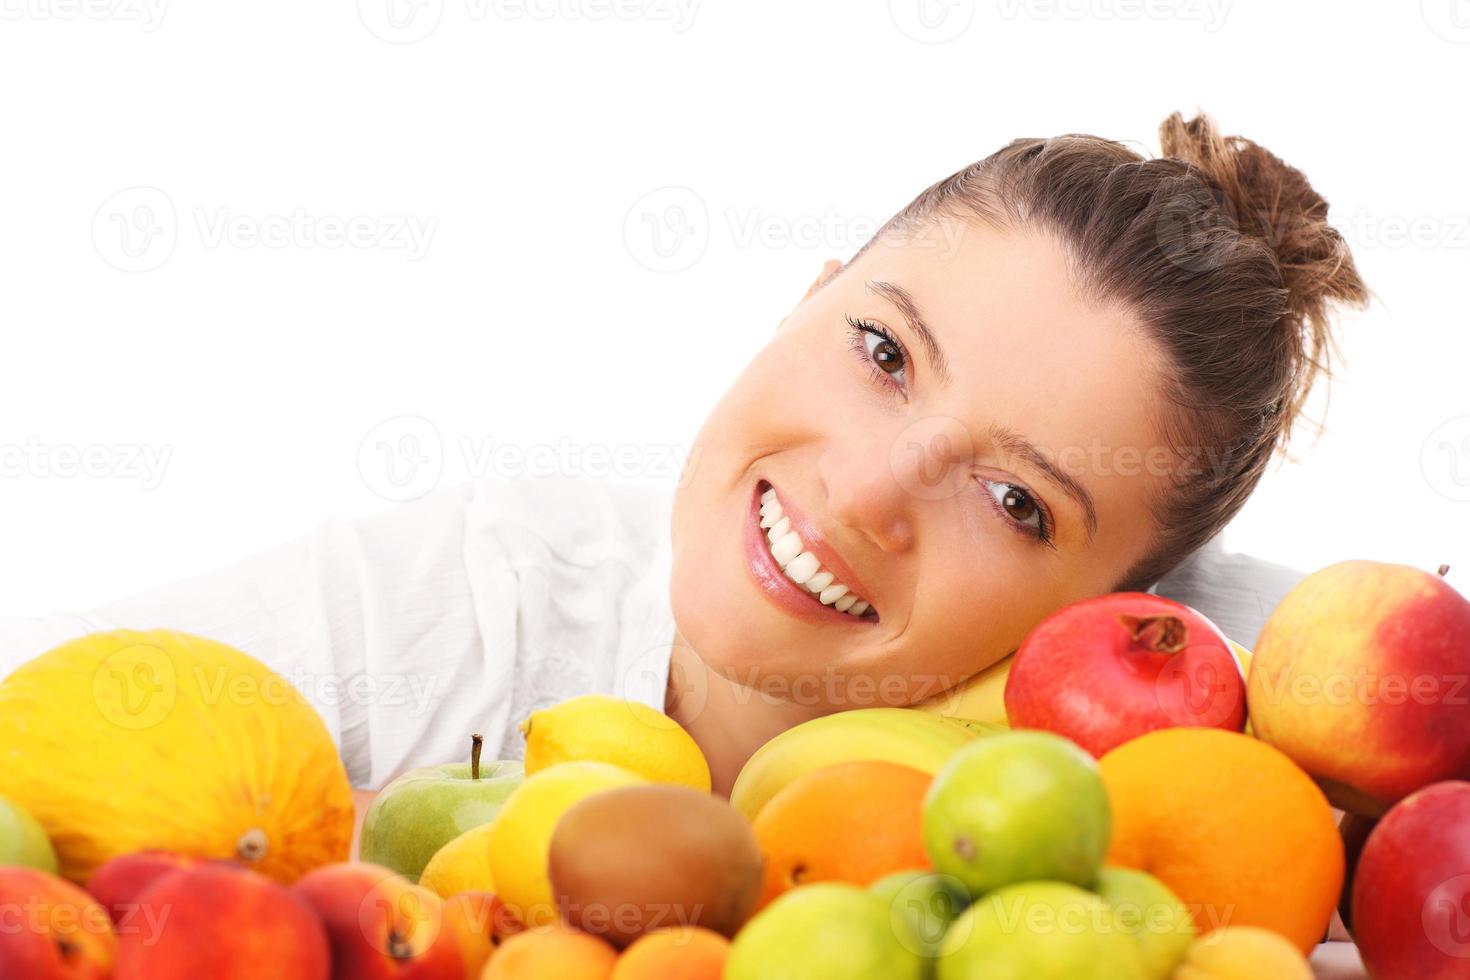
{"points": [[979, 605]]}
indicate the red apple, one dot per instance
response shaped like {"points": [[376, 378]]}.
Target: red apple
{"points": [[50, 929], [479, 921], [1107, 669], [1411, 894], [1362, 675], [380, 924], [119, 881], [224, 922]]}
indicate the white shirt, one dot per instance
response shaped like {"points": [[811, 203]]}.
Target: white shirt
{"points": [[464, 611], [413, 628]]}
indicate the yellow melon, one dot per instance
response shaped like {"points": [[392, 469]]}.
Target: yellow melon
{"points": [[125, 740]]}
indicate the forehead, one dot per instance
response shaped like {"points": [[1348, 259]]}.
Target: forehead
{"points": [[1024, 348]]}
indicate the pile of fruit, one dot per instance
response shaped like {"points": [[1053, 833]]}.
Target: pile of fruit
{"points": [[1152, 802]]}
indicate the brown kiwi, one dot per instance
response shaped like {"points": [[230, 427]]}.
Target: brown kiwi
{"points": [[629, 860]]}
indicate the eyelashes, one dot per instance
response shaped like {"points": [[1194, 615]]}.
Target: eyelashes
{"points": [[859, 330]]}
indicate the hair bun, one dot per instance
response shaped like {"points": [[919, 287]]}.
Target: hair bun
{"points": [[1264, 197]]}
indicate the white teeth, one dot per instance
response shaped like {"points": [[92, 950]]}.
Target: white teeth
{"points": [[818, 582], [801, 566], [779, 530], [784, 549]]}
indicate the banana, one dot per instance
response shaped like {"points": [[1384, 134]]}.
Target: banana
{"points": [[903, 735], [980, 698]]}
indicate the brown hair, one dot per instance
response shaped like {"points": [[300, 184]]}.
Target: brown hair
{"points": [[1223, 254]]}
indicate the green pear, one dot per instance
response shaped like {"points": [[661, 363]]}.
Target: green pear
{"points": [[22, 839], [424, 809], [1145, 908], [1018, 806], [1038, 930], [823, 931]]}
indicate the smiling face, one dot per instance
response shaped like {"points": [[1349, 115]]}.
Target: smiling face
{"points": [[900, 470]]}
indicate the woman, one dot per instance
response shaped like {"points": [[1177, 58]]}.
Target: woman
{"points": [[1056, 373]]}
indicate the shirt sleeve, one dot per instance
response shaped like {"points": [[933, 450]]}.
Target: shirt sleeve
{"points": [[373, 620]]}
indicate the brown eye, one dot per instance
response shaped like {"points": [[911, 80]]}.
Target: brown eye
{"points": [[887, 356], [1018, 504]]}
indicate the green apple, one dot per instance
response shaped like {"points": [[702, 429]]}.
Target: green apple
{"points": [[823, 931], [1038, 930], [22, 839], [1145, 908], [924, 903], [1018, 806], [424, 809]]}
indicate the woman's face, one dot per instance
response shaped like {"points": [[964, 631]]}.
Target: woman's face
{"points": [[897, 464]]}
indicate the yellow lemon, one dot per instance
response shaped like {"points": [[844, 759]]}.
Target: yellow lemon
{"points": [[520, 836], [1243, 953], [461, 865], [625, 733]]}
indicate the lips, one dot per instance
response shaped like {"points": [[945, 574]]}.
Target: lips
{"points": [[777, 586]]}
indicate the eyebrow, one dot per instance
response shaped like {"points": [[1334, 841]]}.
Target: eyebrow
{"points": [[901, 298], [1018, 445]]}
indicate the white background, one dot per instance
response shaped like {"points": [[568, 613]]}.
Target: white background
{"points": [[522, 140]]}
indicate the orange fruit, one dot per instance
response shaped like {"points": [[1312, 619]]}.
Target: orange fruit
{"points": [[551, 951], [1239, 832], [854, 822], [675, 953]]}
